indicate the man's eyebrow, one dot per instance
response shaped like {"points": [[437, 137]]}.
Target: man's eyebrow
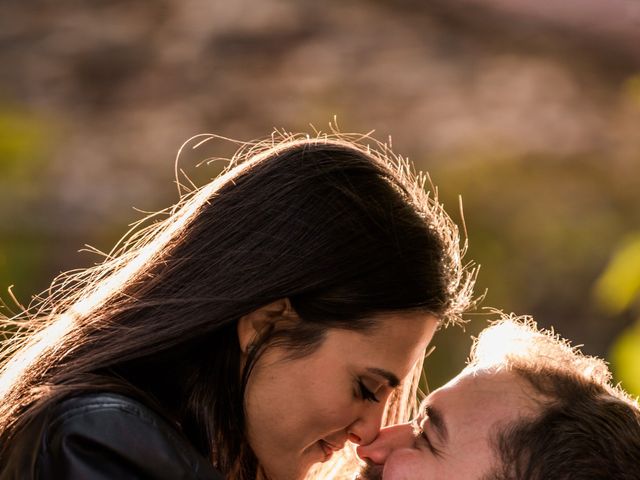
{"points": [[391, 378], [437, 421]]}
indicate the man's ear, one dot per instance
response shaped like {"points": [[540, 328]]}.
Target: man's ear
{"points": [[253, 324]]}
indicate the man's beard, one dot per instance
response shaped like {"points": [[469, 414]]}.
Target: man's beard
{"points": [[370, 472]]}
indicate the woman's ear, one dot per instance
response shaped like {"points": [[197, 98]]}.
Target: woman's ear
{"points": [[253, 324]]}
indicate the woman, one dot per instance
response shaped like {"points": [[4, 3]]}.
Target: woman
{"points": [[266, 321]]}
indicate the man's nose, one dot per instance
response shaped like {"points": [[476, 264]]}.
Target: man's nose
{"points": [[389, 439]]}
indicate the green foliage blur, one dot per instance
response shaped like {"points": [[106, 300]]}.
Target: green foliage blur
{"points": [[24, 147], [618, 291]]}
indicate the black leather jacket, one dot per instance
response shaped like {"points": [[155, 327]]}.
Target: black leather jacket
{"points": [[101, 436]]}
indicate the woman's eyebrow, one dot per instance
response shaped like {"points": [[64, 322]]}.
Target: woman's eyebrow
{"points": [[391, 378]]}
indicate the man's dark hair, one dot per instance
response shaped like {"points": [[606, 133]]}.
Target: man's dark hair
{"points": [[587, 429]]}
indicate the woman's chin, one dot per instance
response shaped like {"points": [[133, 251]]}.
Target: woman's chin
{"points": [[294, 469]]}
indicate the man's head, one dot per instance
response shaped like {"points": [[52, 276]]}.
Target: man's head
{"points": [[527, 407]]}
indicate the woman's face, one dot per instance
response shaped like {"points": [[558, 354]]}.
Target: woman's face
{"points": [[300, 411]]}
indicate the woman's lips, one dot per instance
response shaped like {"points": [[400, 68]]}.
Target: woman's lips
{"points": [[328, 449]]}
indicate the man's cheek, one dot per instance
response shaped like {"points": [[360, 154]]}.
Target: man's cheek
{"points": [[406, 464]]}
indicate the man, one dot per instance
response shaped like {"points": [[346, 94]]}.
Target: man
{"points": [[527, 407]]}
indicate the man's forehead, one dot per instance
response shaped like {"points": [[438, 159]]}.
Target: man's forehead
{"points": [[476, 392]]}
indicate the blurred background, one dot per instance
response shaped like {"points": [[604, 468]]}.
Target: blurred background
{"points": [[528, 109]]}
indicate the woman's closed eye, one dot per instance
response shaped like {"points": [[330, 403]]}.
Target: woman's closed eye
{"points": [[365, 393]]}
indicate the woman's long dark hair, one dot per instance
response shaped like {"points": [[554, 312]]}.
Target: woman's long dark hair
{"points": [[341, 230]]}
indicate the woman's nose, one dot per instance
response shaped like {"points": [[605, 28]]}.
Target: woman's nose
{"points": [[388, 440], [365, 429]]}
